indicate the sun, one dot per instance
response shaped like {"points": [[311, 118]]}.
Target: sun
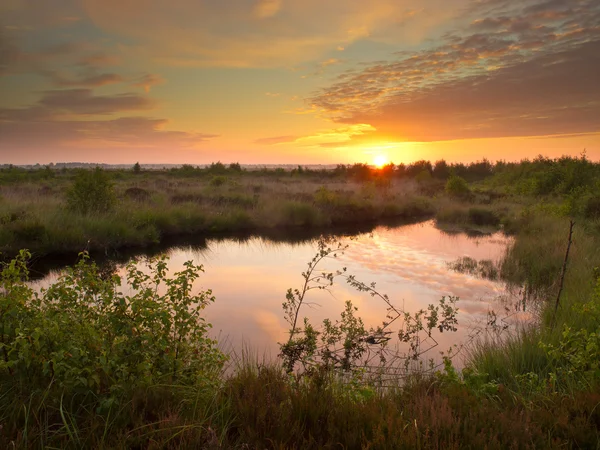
{"points": [[380, 160]]}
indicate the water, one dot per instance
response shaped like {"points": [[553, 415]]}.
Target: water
{"points": [[409, 263]]}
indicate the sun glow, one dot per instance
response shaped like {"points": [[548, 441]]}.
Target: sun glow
{"points": [[380, 160]]}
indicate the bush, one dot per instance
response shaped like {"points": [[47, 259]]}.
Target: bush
{"points": [[137, 194], [92, 192], [83, 336], [324, 196], [218, 180], [457, 187]]}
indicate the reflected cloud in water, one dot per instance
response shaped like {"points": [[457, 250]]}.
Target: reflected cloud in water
{"points": [[249, 278]]}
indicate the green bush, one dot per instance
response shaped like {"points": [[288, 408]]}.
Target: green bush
{"points": [[83, 336], [92, 192], [457, 187], [324, 196], [218, 180]]}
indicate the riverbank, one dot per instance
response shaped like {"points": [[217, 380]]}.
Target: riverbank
{"points": [[150, 208], [77, 376]]}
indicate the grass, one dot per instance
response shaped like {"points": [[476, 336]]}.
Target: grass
{"points": [[151, 207], [534, 262], [536, 388]]}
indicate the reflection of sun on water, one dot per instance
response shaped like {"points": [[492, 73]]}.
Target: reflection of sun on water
{"points": [[380, 160]]}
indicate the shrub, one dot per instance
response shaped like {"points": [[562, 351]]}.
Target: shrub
{"points": [[324, 196], [457, 187], [137, 194], [592, 208], [218, 180], [423, 177], [83, 336], [92, 192]]}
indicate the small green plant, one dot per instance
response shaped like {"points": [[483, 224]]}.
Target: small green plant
{"points": [[92, 192]]}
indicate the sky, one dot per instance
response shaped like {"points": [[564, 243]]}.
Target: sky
{"points": [[298, 81]]}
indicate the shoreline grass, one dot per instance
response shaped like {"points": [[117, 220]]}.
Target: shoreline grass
{"points": [[151, 208]]}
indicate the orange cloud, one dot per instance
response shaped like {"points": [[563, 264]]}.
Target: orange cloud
{"points": [[483, 82], [323, 138], [267, 8], [149, 80]]}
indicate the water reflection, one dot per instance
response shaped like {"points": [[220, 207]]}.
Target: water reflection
{"points": [[249, 278]]}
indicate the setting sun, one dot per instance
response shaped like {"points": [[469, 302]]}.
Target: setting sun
{"points": [[380, 160]]}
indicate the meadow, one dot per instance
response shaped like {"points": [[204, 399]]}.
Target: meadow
{"points": [[86, 366]]}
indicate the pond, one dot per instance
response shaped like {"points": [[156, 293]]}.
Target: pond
{"points": [[410, 263]]}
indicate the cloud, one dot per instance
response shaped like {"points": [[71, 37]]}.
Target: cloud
{"points": [[72, 138], [324, 138], [8, 53], [82, 101], [517, 72], [275, 140], [267, 8], [149, 80], [227, 33], [65, 63], [90, 80]]}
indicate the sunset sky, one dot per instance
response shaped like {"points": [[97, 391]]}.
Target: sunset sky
{"points": [[297, 81]]}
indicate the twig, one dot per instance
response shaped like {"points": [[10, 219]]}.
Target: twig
{"points": [[564, 270]]}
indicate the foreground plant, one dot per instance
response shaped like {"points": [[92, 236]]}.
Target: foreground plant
{"points": [[345, 346], [88, 343]]}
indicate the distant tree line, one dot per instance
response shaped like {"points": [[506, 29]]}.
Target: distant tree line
{"points": [[538, 176]]}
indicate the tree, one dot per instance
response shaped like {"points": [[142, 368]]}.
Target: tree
{"points": [[137, 168]]}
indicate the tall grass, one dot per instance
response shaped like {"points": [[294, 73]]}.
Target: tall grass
{"points": [[522, 361], [150, 207]]}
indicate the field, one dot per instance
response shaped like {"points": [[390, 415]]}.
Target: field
{"points": [[84, 366], [41, 211]]}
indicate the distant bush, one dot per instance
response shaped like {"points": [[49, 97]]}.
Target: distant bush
{"points": [[92, 192], [592, 207], [457, 187], [423, 177], [137, 194], [218, 180], [217, 168], [324, 196]]}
